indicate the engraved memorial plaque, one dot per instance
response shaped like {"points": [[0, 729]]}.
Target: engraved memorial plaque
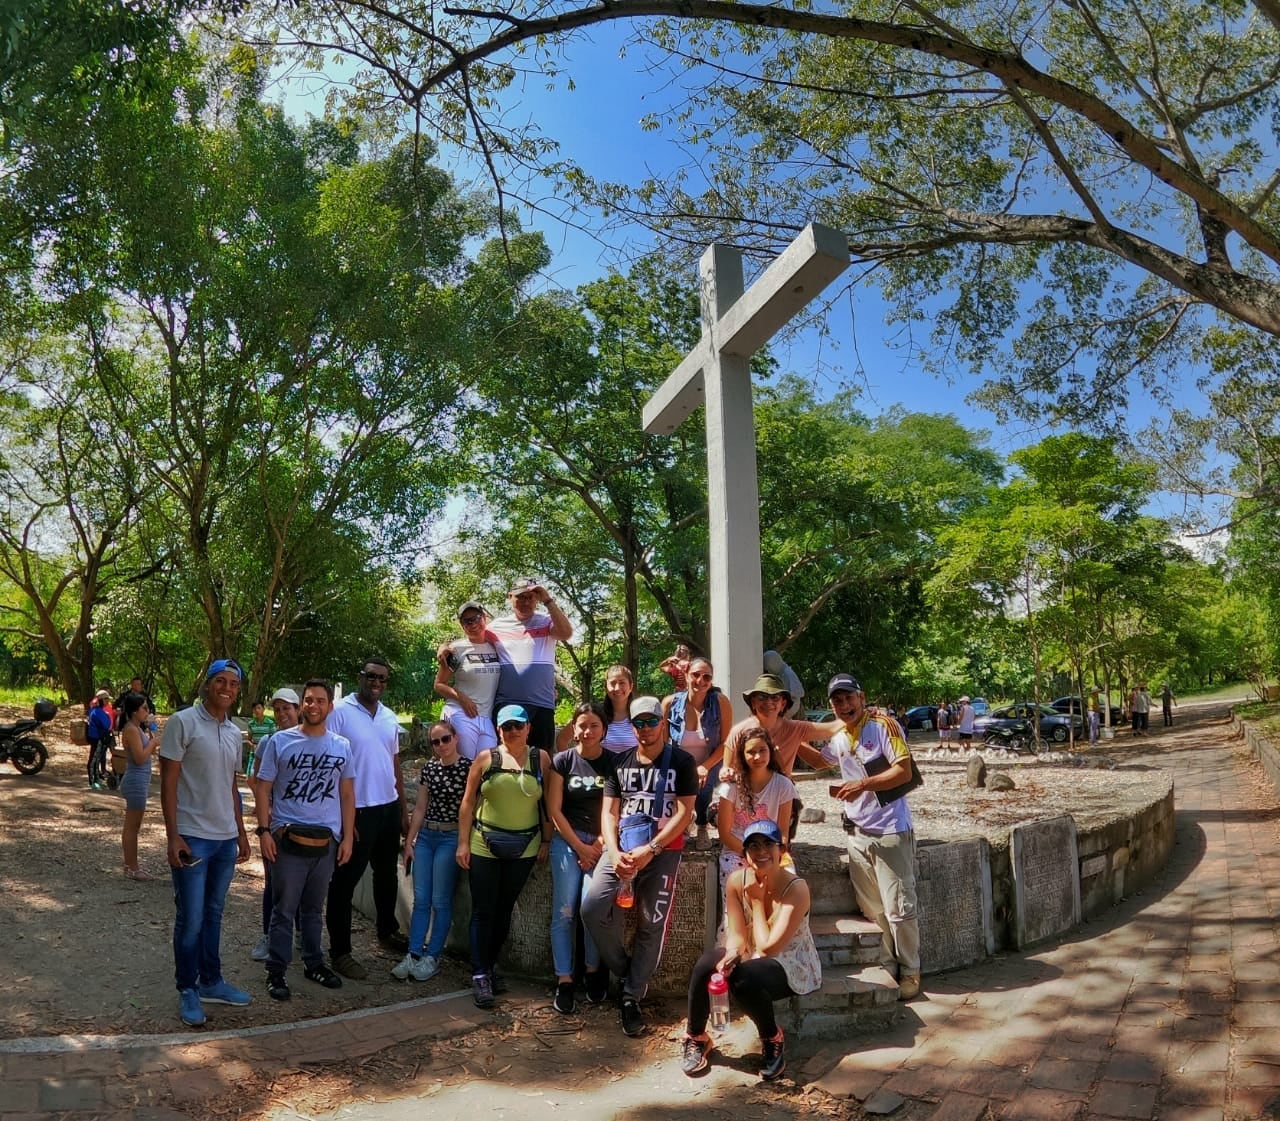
{"points": [[1046, 879], [953, 893]]}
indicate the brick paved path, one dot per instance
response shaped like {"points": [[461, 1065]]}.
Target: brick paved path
{"points": [[1168, 1008]]}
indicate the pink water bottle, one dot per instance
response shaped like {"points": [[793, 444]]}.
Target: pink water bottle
{"points": [[718, 990]]}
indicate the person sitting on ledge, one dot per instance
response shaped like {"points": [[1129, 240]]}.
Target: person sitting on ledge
{"points": [[768, 953]]}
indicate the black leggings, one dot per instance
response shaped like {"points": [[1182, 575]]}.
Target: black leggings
{"points": [[753, 984], [495, 887]]}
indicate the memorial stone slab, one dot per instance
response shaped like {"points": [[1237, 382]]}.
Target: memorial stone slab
{"points": [[1046, 879], [953, 896]]}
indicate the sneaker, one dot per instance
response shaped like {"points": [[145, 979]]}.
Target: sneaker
{"points": [[424, 968], [775, 1059], [278, 987], [395, 941], [222, 993], [482, 990], [563, 1002], [349, 967], [189, 1007], [322, 975], [908, 986], [598, 986], [632, 1018], [694, 1052], [702, 842], [262, 950], [497, 983], [400, 971]]}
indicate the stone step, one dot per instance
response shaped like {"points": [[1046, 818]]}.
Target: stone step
{"points": [[845, 939], [849, 998]]}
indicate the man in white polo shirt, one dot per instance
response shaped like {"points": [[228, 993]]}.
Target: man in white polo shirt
{"points": [[381, 817]]}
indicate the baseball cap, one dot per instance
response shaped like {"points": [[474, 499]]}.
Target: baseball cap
{"points": [[471, 605], [221, 666], [524, 584], [646, 706], [508, 713], [763, 828], [286, 694], [843, 683]]}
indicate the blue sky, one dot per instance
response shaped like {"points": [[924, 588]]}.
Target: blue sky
{"points": [[598, 124]]}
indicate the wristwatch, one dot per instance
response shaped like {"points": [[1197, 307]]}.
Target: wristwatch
{"points": [[262, 829], [655, 848]]}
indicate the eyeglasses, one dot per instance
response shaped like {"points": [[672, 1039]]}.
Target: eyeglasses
{"points": [[471, 620], [756, 698], [646, 721], [699, 677], [513, 725], [436, 742], [373, 676]]}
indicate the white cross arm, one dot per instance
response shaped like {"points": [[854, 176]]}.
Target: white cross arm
{"points": [[811, 262]]}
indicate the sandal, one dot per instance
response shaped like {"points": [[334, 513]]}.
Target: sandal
{"points": [[137, 874]]}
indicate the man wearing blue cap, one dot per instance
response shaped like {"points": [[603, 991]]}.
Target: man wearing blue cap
{"points": [[199, 757], [873, 758]]}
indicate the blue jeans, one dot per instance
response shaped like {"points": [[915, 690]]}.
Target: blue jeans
{"points": [[569, 884], [435, 873], [702, 803], [199, 894]]}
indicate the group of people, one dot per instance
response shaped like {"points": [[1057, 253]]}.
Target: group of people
{"points": [[956, 718], [610, 807]]}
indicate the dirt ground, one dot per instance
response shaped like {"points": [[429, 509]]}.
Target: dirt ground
{"points": [[90, 951]]}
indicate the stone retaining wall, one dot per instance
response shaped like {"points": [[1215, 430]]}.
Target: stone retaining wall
{"points": [[1264, 750]]}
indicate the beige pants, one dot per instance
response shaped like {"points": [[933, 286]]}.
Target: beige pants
{"points": [[883, 871]]}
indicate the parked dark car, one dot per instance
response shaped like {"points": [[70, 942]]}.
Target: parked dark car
{"points": [[1072, 704], [922, 716], [1054, 725]]}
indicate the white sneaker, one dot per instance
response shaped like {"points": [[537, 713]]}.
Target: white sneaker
{"points": [[424, 968], [262, 950], [403, 968]]}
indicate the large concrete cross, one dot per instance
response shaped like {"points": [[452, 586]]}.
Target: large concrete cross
{"points": [[717, 373]]}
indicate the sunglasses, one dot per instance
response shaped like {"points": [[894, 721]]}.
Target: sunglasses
{"points": [[513, 725], [646, 721], [437, 741], [756, 698], [471, 620], [373, 676]]}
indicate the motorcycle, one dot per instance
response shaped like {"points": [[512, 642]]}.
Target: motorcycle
{"points": [[17, 746], [1017, 738]]}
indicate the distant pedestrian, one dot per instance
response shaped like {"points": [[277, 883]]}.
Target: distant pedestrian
{"points": [[1095, 715], [1139, 709], [965, 729], [140, 744], [1168, 702], [943, 721]]}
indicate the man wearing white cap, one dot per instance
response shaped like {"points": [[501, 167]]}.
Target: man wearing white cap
{"points": [[648, 804], [873, 758], [964, 723]]}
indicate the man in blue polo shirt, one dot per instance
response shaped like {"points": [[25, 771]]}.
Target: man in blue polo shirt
{"points": [[199, 757], [381, 817]]}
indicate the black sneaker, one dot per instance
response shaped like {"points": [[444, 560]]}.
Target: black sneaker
{"points": [[498, 984], [278, 987], [598, 986], [694, 1052], [322, 975], [632, 1018], [482, 990], [564, 1003], [775, 1059]]}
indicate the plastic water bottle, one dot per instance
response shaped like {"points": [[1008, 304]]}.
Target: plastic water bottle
{"points": [[626, 894], [718, 990]]}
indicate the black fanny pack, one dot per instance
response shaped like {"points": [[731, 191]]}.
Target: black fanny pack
{"points": [[507, 844], [311, 841]]}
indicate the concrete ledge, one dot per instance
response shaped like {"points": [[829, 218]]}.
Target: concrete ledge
{"points": [[1264, 750]]}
